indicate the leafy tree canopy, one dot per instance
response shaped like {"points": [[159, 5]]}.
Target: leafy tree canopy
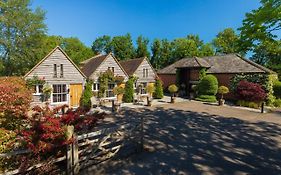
{"points": [[102, 45], [226, 42], [142, 50], [122, 47], [22, 30]]}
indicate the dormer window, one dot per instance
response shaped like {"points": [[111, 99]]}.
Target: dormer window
{"points": [[111, 69], [145, 73], [55, 71], [61, 70]]}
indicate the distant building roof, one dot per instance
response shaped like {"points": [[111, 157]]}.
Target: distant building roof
{"points": [[130, 66], [90, 65], [230, 63]]}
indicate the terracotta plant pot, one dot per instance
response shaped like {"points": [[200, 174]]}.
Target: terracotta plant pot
{"points": [[221, 102]]}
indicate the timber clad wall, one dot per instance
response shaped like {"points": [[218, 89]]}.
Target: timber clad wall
{"points": [[108, 62], [46, 70], [139, 72], [67, 74]]}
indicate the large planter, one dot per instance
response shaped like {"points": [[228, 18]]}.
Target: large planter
{"points": [[119, 98], [221, 102]]}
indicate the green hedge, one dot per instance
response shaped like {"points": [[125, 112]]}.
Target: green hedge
{"points": [[206, 98], [277, 89]]}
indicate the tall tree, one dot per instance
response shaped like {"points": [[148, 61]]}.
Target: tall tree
{"points": [[122, 47], [183, 47], [156, 53], [166, 53], [102, 45], [206, 50], [142, 50], [258, 34], [226, 42], [21, 34], [199, 43], [76, 50]]}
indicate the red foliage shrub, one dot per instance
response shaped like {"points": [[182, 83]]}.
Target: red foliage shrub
{"points": [[250, 91], [46, 132], [44, 135], [15, 99], [80, 119]]}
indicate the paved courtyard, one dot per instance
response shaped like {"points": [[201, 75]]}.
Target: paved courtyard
{"points": [[196, 138]]}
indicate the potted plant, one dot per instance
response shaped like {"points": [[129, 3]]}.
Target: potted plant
{"points": [[47, 91], [119, 91], [150, 89], [222, 90], [173, 89]]}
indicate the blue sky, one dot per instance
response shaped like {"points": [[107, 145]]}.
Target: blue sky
{"points": [[88, 19]]}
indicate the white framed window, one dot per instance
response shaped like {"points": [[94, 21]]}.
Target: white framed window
{"points": [[96, 87], [59, 93], [146, 72], [38, 89], [109, 91]]}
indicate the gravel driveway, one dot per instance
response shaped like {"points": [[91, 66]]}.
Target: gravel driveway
{"points": [[196, 138]]}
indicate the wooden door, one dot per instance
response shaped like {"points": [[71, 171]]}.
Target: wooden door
{"points": [[75, 94]]}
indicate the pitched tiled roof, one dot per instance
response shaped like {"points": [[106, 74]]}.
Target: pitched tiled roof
{"points": [[130, 66], [230, 63], [192, 63], [89, 66], [233, 63]]}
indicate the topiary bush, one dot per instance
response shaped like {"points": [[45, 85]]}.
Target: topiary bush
{"points": [[173, 89], [208, 85], [158, 93], [223, 90], [277, 89], [150, 88], [128, 96], [85, 101], [251, 92], [207, 88]]}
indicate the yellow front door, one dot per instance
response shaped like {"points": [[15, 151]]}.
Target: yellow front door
{"points": [[75, 94]]}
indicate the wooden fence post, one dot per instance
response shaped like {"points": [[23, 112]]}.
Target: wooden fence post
{"points": [[75, 156], [69, 151], [69, 159]]}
